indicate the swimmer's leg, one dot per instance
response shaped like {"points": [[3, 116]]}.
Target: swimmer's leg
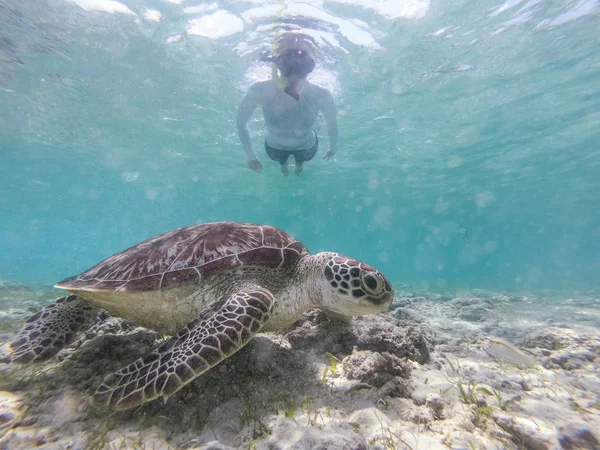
{"points": [[281, 156], [305, 155]]}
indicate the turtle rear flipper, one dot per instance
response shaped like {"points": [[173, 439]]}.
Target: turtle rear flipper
{"points": [[223, 328], [51, 329]]}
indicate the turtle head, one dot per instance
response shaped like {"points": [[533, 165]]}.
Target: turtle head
{"points": [[352, 288]]}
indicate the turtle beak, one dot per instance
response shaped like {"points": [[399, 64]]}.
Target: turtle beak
{"points": [[387, 299], [382, 302]]}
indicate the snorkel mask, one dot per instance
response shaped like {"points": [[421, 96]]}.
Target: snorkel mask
{"points": [[295, 63]]}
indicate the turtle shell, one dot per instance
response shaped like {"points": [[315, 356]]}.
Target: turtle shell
{"points": [[190, 254]]}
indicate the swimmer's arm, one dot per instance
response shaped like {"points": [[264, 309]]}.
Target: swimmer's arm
{"points": [[247, 107], [330, 113]]}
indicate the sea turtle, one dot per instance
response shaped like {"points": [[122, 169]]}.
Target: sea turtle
{"points": [[211, 286]]}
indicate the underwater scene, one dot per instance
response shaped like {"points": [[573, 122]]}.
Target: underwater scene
{"points": [[318, 224]]}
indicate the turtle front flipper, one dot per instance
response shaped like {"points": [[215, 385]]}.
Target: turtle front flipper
{"points": [[223, 328], [51, 329]]}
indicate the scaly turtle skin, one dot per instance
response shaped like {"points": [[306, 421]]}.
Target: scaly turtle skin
{"points": [[213, 287]]}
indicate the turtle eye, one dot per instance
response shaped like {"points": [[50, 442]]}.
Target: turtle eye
{"points": [[371, 283]]}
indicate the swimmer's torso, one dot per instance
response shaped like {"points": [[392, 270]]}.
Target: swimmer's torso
{"points": [[290, 122]]}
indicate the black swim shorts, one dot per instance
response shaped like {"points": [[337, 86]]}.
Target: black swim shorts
{"points": [[301, 156]]}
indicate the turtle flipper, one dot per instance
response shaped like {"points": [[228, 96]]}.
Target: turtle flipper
{"points": [[51, 329], [220, 330]]}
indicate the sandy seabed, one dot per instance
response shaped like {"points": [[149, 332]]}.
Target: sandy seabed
{"points": [[470, 370]]}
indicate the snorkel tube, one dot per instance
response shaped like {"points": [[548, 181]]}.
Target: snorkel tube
{"points": [[274, 72], [274, 75], [276, 78]]}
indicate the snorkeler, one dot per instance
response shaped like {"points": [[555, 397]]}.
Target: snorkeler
{"points": [[290, 107]]}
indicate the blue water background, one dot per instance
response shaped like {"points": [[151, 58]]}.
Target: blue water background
{"points": [[469, 157]]}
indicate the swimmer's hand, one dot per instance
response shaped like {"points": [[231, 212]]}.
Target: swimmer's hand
{"points": [[329, 155], [255, 165]]}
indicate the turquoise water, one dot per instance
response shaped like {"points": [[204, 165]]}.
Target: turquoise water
{"points": [[469, 134]]}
